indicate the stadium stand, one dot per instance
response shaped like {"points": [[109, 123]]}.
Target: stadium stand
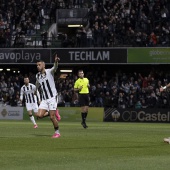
{"points": [[110, 23]]}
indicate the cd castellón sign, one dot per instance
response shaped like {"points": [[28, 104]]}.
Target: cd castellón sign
{"points": [[136, 115]]}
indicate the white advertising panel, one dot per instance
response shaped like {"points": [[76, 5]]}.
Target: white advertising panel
{"points": [[11, 113]]}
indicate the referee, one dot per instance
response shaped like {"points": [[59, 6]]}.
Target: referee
{"points": [[82, 87]]}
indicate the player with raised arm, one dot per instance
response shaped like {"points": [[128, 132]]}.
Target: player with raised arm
{"points": [[45, 81], [165, 87]]}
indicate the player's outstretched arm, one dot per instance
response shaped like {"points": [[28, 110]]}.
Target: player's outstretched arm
{"points": [[57, 59], [165, 87]]}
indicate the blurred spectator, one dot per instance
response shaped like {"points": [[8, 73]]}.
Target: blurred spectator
{"points": [[89, 37], [67, 98], [152, 40], [2, 39], [31, 29], [138, 105], [96, 35], [75, 99], [83, 38], [107, 100], [122, 103], [44, 38], [78, 38], [61, 102], [7, 36], [98, 94], [144, 104], [151, 100], [131, 101], [19, 40]]}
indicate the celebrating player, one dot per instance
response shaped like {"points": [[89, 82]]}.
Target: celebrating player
{"points": [[45, 79]]}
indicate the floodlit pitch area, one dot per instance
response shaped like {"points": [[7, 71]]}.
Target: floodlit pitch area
{"points": [[119, 146]]}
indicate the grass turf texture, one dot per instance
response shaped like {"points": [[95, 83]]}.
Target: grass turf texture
{"points": [[119, 146]]}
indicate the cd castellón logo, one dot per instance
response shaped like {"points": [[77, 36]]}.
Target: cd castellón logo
{"points": [[4, 112], [115, 115]]}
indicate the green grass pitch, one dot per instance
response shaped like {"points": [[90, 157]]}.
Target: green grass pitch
{"points": [[103, 146]]}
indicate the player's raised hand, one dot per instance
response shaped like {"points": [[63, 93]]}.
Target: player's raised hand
{"points": [[57, 59], [161, 89]]}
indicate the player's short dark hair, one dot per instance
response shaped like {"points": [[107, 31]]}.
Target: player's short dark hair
{"points": [[26, 77], [40, 61]]}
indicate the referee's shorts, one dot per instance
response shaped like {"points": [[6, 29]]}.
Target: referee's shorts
{"points": [[84, 99]]}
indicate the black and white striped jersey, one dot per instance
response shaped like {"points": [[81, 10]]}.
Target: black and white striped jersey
{"points": [[28, 92], [46, 82]]}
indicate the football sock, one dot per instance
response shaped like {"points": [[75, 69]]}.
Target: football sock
{"points": [[56, 129], [83, 115], [32, 119], [86, 114]]}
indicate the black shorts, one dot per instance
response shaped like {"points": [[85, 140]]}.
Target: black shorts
{"points": [[84, 99]]}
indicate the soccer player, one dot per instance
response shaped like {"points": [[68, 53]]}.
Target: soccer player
{"points": [[45, 80], [166, 140], [27, 91], [82, 87]]}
